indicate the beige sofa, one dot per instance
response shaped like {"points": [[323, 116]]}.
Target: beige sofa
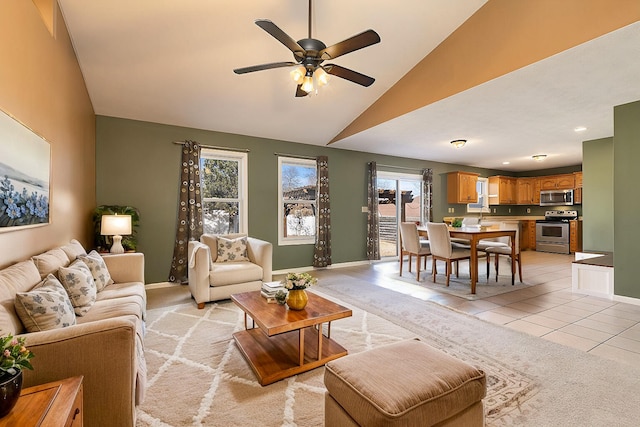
{"points": [[105, 345], [210, 279]]}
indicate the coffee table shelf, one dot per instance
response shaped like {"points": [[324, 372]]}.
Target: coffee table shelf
{"points": [[287, 342]]}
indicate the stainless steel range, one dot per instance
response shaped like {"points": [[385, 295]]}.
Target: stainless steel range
{"points": [[552, 232]]}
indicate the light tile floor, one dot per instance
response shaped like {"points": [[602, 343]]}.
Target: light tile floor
{"points": [[548, 310]]}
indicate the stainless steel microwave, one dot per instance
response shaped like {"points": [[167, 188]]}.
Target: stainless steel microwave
{"points": [[556, 197]]}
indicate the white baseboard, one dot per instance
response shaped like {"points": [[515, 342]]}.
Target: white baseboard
{"points": [[312, 268], [160, 285], [627, 300]]}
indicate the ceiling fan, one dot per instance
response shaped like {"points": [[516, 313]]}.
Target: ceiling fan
{"points": [[309, 55]]}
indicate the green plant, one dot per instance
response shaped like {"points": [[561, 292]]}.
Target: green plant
{"points": [[130, 243], [281, 297], [457, 222], [14, 356]]}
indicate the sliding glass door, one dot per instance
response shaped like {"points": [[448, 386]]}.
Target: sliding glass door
{"points": [[400, 199]]}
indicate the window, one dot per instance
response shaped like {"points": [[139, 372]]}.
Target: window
{"points": [[297, 179], [482, 187], [223, 179]]}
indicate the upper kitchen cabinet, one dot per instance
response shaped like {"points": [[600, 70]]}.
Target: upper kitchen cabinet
{"points": [[528, 191], [577, 191], [503, 190], [461, 187], [557, 182]]}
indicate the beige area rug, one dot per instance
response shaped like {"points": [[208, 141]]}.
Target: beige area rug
{"points": [[197, 376]]}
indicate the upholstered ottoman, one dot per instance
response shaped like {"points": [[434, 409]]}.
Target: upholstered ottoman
{"points": [[408, 383]]}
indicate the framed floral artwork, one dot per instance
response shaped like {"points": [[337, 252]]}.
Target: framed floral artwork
{"points": [[25, 168]]}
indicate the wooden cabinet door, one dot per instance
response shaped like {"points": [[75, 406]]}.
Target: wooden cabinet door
{"points": [[524, 191], [461, 187], [578, 179], [565, 182], [548, 182], [536, 191], [575, 236]]}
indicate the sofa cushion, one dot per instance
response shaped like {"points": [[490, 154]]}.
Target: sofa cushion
{"points": [[98, 269], [232, 250], [111, 308], [229, 273], [74, 249], [80, 286], [19, 277], [46, 306], [50, 261]]}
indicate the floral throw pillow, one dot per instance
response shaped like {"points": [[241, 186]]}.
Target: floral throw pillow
{"points": [[80, 286], [98, 269], [232, 249], [45, 307]]}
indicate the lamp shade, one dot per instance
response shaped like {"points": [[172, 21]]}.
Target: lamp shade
{"points": [[112, 225]]}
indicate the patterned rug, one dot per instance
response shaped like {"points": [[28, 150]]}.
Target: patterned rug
{"points": [[197, 376]]}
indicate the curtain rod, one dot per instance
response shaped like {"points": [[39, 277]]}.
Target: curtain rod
{"points": [[296, 156], [214, 147], [400, 167]]}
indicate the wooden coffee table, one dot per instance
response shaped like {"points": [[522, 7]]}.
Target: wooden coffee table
{"points": [[287, 342]]}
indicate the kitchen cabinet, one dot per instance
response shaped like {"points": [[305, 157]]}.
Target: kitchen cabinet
{"points": [[577, 191], [503, 190], [461, 187], [557, 182], [575, 236], [526, 191], [528, 235]]}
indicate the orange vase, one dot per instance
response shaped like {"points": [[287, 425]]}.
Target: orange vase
{"points": [[297, 299]]}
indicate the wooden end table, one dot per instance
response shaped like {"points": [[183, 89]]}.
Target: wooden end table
{"points": [[287, 342], [57, 403]]}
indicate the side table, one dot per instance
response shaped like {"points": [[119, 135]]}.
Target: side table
{"points": [[58, 403]]}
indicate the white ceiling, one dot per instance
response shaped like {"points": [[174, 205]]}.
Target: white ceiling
{"points": [[171, 62]]}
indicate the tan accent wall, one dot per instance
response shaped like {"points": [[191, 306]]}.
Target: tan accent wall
{"points": [[41, 85], [501, 37]]}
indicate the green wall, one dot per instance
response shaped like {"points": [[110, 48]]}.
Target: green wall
{"points": [[597, 195], [626, 152], [138, 165]]}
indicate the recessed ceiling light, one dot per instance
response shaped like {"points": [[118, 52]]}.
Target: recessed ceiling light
{"points": [[506, 163], [580, 129], [539, 157]]}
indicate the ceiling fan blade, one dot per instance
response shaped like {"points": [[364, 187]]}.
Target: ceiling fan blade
{"points": [[261, 67], [281, 36], [348, 74], [300, 92], [359, 41]]}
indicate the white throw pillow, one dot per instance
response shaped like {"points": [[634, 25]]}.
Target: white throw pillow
{"points": [[98, 269], [232, 249], [45, 307], [80, 286]]}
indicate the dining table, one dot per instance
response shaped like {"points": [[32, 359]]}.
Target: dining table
{"points": [[474, 234]]}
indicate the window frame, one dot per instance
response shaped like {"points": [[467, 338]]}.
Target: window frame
{"points": [[243, 186], [482, 195], [294, 240]]}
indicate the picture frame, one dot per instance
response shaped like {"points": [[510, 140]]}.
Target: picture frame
{"points": [[25, 175]]}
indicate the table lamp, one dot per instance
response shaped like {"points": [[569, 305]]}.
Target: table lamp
{"points": [[116, 225]]}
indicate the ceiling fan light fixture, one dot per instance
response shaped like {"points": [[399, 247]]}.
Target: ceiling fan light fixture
{"points": [[539, 157], [307, 82], [322, 77], [298, 74], [458, 143]]}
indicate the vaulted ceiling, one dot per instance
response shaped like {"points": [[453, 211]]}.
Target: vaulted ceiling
{"points": [[513, 78]]}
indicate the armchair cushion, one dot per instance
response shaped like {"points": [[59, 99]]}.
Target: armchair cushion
{"points": [[232, 249], [229, 273]]}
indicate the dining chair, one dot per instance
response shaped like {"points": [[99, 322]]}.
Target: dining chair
{"points": [[442, 249], [412, 245], [506, 250]]}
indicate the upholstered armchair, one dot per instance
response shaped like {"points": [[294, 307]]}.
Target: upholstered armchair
{"points": [[221, 265]]}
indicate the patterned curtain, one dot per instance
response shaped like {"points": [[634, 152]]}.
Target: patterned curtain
{"points": [[322, 252], [189, 225], [427, 190], [373, 219]]}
